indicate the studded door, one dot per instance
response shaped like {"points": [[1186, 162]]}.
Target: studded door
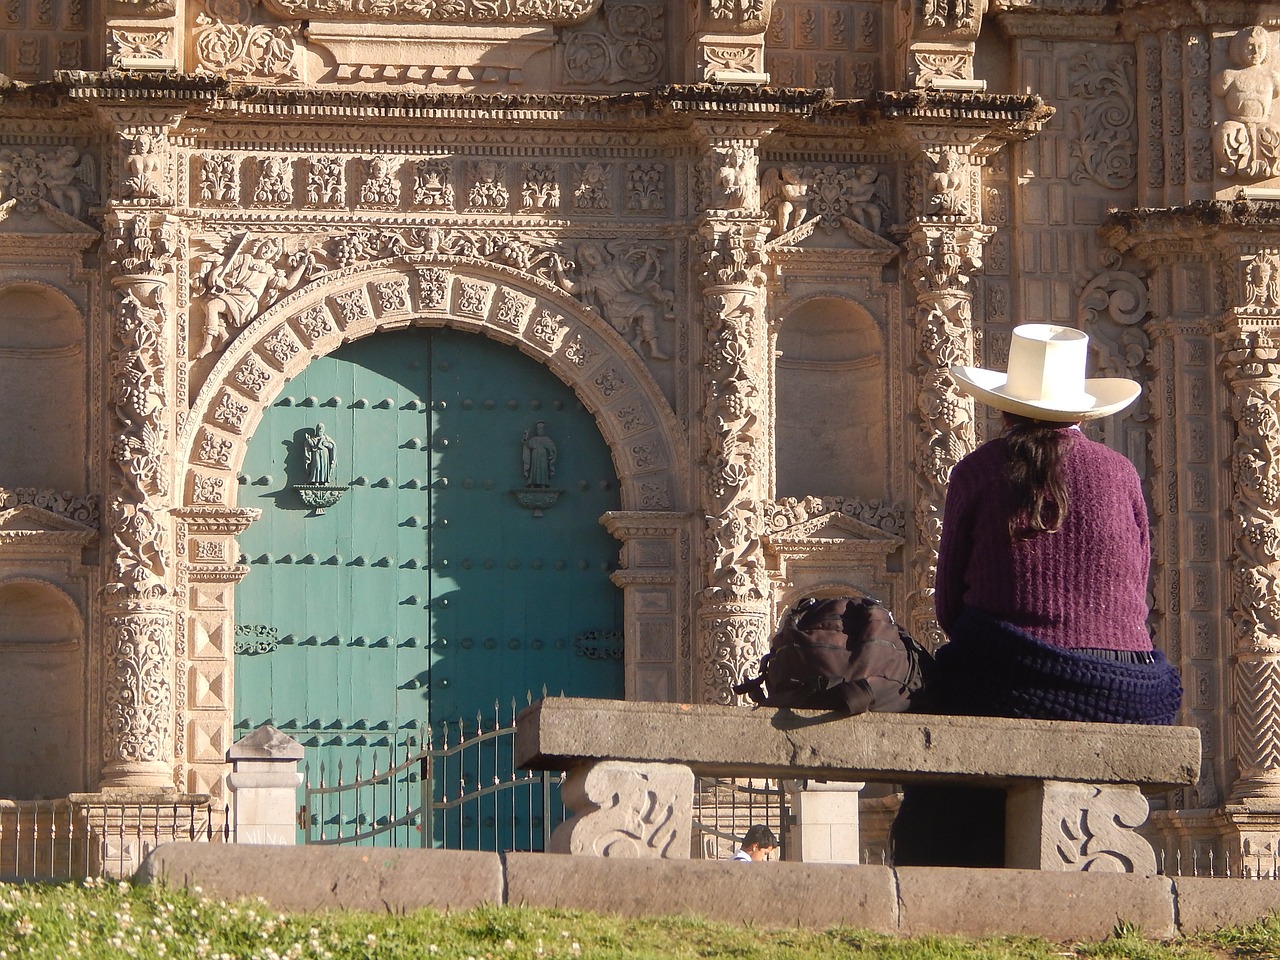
{"points": [[463, 567]]}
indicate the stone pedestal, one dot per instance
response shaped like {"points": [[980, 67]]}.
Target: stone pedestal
{"points": [[826, 822], [264, 781], [629, 810], [1052, 825]]}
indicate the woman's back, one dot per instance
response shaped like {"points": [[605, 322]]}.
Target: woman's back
{"points": [[1082, 586]]}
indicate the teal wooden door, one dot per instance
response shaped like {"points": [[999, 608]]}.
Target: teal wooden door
{"points": [[442, 584]]}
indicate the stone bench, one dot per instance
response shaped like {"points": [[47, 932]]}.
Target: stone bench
{"points": [[1074, 789]]}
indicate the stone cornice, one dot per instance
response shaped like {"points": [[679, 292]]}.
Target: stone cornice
{"points": [[1023, 114], [1248, 221]]}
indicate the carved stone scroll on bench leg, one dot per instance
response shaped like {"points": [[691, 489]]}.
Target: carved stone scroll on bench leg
{"points": [[633, 810], [1077, 826]]}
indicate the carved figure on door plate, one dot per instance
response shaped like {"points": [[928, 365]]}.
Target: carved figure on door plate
{"points": [[318, 454], [538, 460], [539, 457], [624, 288], [1248, 142]]}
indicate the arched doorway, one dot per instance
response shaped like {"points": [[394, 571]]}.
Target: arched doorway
{"points": [[440, 584]]}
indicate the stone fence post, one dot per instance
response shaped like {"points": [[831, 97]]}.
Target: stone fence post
{"points": [[264, 781], [825, 827]]}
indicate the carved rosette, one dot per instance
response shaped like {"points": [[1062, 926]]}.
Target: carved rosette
{"points": [[1252, 364], [941, 259], [733, 619]]}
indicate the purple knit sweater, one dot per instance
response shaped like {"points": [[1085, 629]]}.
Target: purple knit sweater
{"points": [[1082, 586]]}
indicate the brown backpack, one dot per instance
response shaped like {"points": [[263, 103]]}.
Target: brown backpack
{"points": [[840, 653]]}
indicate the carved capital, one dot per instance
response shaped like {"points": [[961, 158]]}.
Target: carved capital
{"points": [[942, 258]]}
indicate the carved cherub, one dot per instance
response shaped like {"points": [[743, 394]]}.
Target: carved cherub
{"points": [[785, 191], [67, 175]]}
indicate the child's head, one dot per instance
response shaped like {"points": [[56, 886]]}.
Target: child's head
{"points": [[759, 842]]}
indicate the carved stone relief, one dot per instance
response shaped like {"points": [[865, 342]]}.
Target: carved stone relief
{"points": [[838, 198], [1103, 142], [227, 41], [1248, 139], [624, 286], [625, 44], [65, 177], [627, 810], [463, 11]]}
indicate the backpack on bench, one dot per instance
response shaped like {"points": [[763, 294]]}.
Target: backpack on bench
{"points": [[840, 653]]}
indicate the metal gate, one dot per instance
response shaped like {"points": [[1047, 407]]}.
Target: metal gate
{"points": [[430, 544], [455, 789]]}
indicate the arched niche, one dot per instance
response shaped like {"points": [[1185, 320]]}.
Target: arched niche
{"points": [[42, 389], [831, 423], [42, 691]]}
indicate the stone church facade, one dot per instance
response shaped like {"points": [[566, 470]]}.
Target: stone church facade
{"points": [[751, 236]]}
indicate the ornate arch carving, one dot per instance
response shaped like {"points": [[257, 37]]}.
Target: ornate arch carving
{"points": [[429, 290]]}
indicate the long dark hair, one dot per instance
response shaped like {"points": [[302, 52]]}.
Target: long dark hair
{"points": [[1036, 451]]}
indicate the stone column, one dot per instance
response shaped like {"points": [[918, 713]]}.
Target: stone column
{"points": [[138, 613], [733, 615], [1252, 367], [944, 251]]}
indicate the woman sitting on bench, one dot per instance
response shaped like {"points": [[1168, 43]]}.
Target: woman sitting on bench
{"points": [[1041, 582]]}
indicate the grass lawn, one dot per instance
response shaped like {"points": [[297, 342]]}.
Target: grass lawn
{"points": [[115, 920]]}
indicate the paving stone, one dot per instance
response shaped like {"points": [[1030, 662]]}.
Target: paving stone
{"points": [[1205, 903], [1057, 906], [331, 878], [768, 894]]}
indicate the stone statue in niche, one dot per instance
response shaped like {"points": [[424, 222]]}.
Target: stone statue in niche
{"points": [[238, 284], [624, 288], [1248, 142], [538, 459]]}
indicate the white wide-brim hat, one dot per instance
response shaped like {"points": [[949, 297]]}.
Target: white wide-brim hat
{"points": [[1046, 378]]}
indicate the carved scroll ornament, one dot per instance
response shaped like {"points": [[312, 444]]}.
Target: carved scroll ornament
{"points": [[627, 810], [440, 11]]}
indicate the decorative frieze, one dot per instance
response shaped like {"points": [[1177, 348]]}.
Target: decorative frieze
{"points": [[229, 43], [462, 11]]}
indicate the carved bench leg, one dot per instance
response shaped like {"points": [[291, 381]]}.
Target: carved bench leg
{"points": [[635, 810], [1054, 825]]}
